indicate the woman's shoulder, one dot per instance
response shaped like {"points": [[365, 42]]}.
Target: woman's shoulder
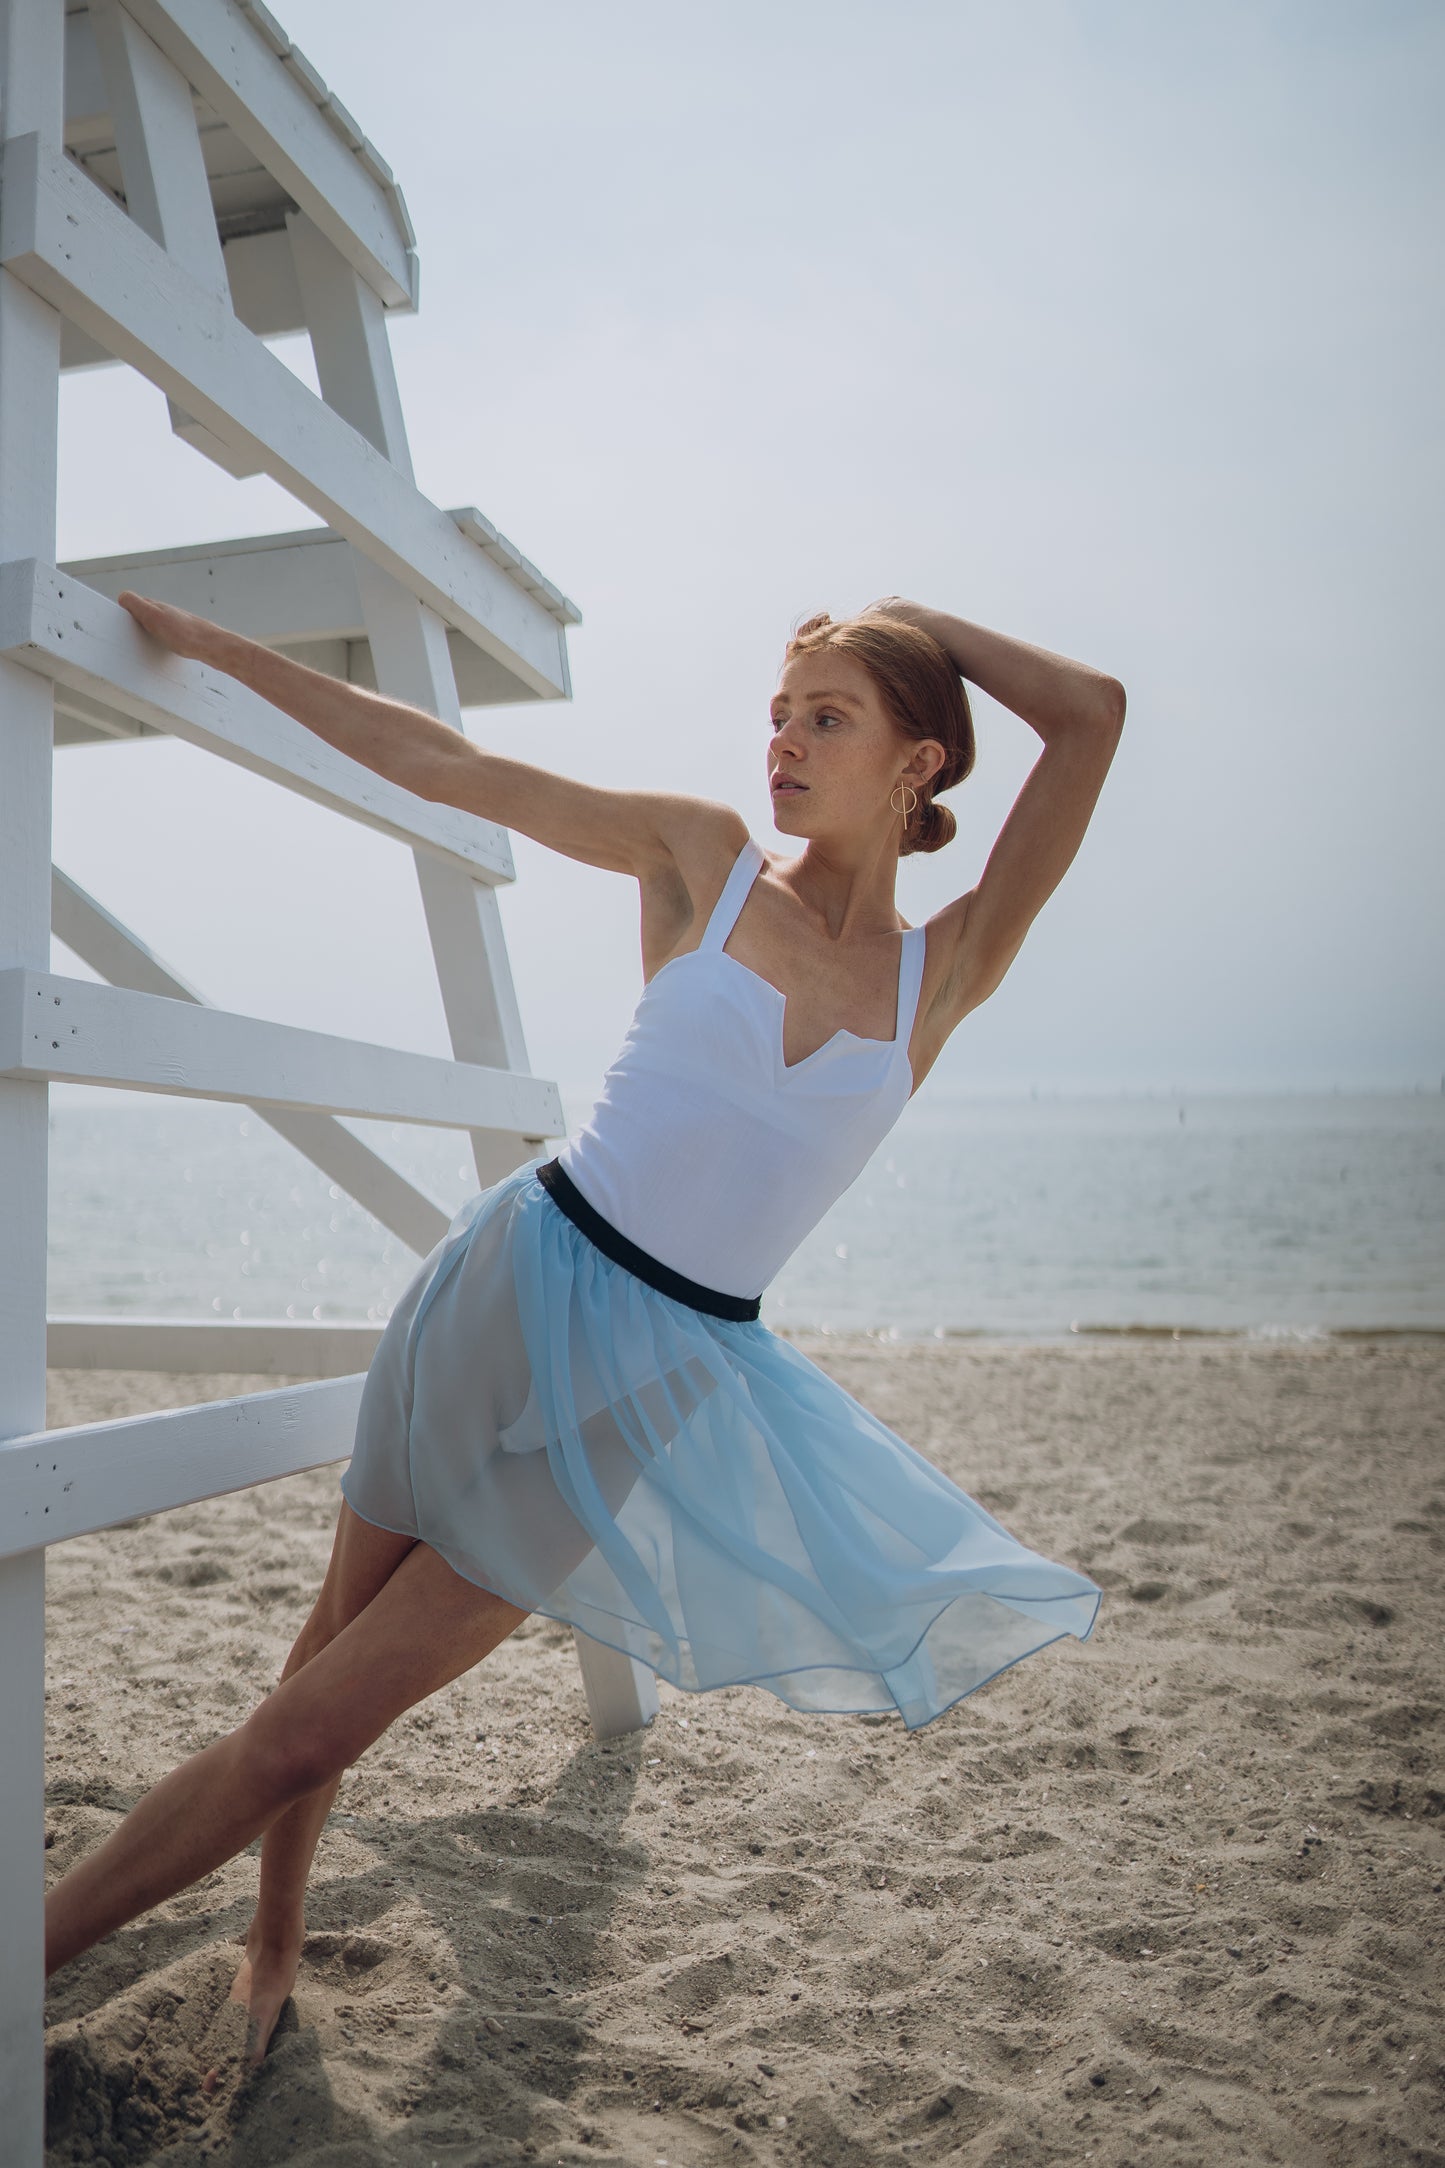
{"points": [[702, 839]]}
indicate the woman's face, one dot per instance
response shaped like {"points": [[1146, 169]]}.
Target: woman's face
{"points": [[836, 754]]}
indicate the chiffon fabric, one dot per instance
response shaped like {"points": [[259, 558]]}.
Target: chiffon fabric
{"points": [[690, 1490]]}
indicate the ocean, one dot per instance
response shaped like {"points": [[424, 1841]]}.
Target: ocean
{"points": [[1027, 1218]]}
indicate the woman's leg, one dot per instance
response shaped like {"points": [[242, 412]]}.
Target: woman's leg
{"points": [[424, 1627], [363, 1559]]}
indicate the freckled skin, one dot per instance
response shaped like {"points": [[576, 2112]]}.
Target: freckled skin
{"points": [[833, 737]]}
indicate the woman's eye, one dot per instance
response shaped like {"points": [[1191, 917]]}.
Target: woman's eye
{"points": [[825, 718]]}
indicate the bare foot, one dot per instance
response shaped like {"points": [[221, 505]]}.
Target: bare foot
{"points": [[265, 1980]]}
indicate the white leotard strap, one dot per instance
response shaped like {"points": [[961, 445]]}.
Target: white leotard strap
{"points": [[746, 868], [910, 979]]}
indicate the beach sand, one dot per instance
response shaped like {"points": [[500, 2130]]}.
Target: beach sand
{"points": [[1170, 1896]]}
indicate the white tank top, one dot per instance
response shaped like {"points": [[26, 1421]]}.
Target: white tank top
{"points": [[705, 1148]]}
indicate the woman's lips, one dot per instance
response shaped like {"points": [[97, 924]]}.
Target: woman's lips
{"points": [[786, 783]]}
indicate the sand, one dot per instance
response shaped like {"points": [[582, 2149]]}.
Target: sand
{"points": [[1170, 1896]]}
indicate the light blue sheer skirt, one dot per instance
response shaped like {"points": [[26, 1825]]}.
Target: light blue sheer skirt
{"points": [[692, 1491]]}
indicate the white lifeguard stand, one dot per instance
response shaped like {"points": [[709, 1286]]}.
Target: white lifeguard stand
{"points": [[177, 184]]}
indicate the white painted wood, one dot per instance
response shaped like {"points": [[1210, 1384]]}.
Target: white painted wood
{"points": [[68, 1482], [32, 68], [31, 87], [219, 48], [60, 234], [410, 656], [377, 1187], [298, 591], [56, 1027], [350, 342], [151, 285], [59, 627], [121, 957], [280, 1347], [502, 552], [463, 920], [263, 284], [167, 188], [621, 1693], [257, 252]]}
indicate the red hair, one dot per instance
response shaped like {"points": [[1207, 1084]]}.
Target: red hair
{"points": [[923, 694]]}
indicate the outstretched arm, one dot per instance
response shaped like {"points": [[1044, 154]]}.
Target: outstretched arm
{"points": [[636, 832], [1078, 712]]}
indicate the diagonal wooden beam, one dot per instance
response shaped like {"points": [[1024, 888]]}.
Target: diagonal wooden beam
{"points": [[71, 245], [123, 959], [55, 624], [163, 171], [226, 53]]}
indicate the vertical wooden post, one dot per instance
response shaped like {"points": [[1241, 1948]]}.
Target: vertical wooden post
{"points": [[354, 367], [31, 100]]}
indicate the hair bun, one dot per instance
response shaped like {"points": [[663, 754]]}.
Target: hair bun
{"points": [[930, 828]]}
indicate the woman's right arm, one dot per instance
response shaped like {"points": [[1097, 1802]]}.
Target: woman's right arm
{"points": [[642, 833]]}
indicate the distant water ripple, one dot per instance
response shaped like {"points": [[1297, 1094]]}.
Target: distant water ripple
{"points": [[1288, 1215]]}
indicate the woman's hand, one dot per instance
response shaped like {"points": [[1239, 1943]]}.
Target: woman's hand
{"points": [[180, 630], [935, 623], [912, 613]]}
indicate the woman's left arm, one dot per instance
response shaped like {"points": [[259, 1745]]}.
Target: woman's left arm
{"points": [[1078, 712]]}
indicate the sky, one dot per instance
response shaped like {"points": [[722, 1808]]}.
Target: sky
{"points": [[1113, 326]]}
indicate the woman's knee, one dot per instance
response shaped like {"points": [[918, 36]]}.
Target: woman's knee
{"points": [[287, 1751]]}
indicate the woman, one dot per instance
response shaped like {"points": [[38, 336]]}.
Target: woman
{"points": [[574, 1407]]}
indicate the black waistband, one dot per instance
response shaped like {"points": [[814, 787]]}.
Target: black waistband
{"points": [[569, 1199]]}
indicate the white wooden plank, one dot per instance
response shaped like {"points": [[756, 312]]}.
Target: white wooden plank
{"points": [[58, 1027], [220, 49], [125, 960], [56, 625], [280, 1347], [68, 1482], [296, 591], [237, 463], [263, 283], [71, 245], [316, 557], [31, 89], [32, 68], [621, 1692], [167, 190], [377, 1187], [502, 552], [349, 341]]}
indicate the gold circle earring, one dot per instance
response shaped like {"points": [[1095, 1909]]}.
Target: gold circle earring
{"points": [[910, 807]]}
